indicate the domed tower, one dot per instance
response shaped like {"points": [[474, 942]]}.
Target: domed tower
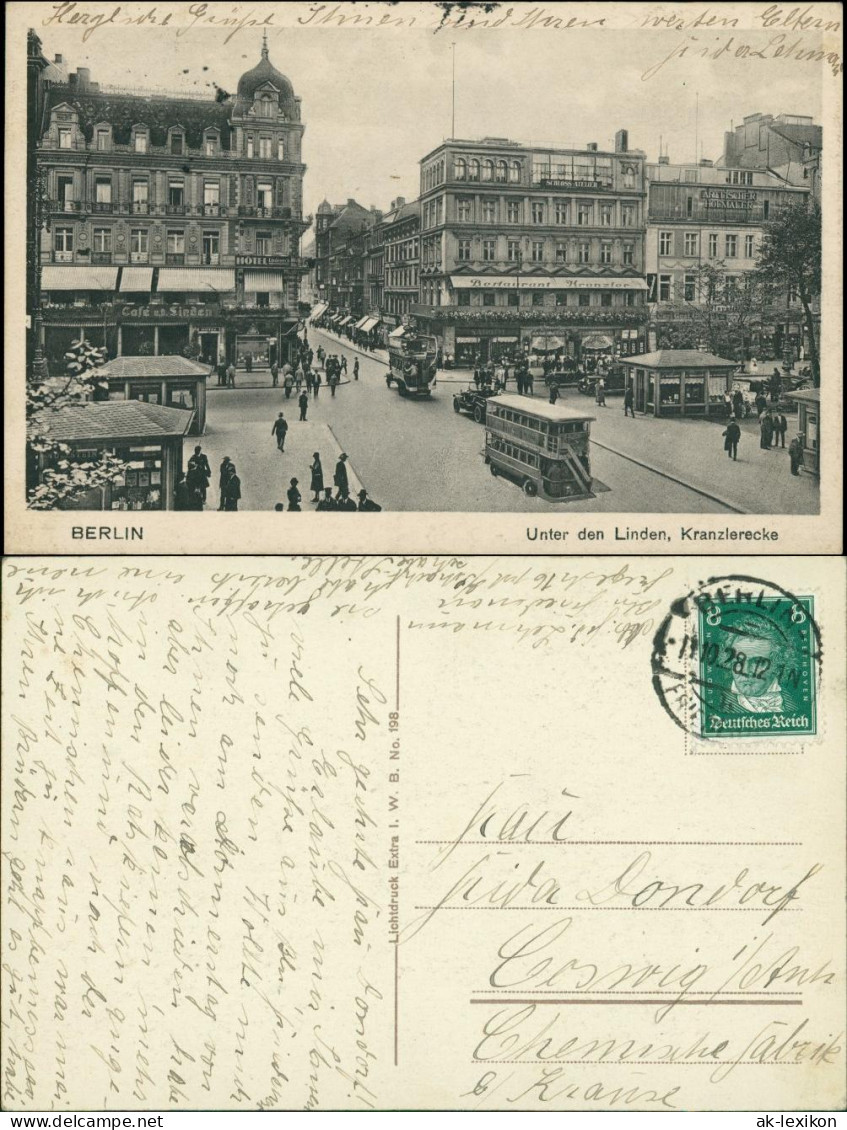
{"points": [[267, 134]]}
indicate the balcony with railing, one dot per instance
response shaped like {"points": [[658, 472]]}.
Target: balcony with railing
{"points": [[258, 212], [101, 207], [101, 257], [534, 315], [146, 208], [175, 259]]}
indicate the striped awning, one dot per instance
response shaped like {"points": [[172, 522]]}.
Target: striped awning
{"points": [[369, 324], [78, 278], [137, 279], [196, 279], [319, 309], [271, 282], [344, 321], [360, 325]]}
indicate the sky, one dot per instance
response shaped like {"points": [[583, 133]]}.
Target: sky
{"points": [[374, 104]]}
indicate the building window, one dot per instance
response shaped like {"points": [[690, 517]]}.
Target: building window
{"points": [[605, 253], [584, 298], [689, 206], [767, 208], [584, 252], [211, 247], [731, 249], [460, 168], [488, 170], [176, 193], [263, 243], [628, 215], [489, 211], [537, 298], [211, 145], [690, 176], [513, 211], [583, 215], [63, 240], [64, 138], [629, 254], [629, 177], [473, 169], [176, 242], [664, 288], [139, 243], [749, 246], [103, 190], [177, 144], [513, 250], [211, 197], [515, 172], [606, 215], [488, 250], [665, 242], [140, 142], [606, 298], [561, 253], [102, 240], [737, 176], [280, 149], [692, 243], [140, 190], [502, 172], [561, 207], [264, 196], [538, 251], [463, 210], [65, 192], [488, 298], [265, 144], [102, 140], [463, 298], [689, 288], [537, 212], [249, 144], [713, 245]]}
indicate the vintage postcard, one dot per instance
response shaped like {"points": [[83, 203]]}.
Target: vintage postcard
{"points": [[507, 277], [380, 833]]}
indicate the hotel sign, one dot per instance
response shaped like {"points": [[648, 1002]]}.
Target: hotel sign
{"points": [[263, 260], [513, 282], [727, 197]]}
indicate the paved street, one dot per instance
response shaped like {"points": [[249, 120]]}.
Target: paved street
{"points": [[421, 455]]}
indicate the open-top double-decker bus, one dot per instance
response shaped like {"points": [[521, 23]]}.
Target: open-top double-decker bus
{"points": [[542, 447], [412, 359]]}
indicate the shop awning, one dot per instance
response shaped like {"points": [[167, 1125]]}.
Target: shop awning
{"points": [[360, 325], [137, 279], [370, 323], [344, 321], [196, 279], [78, 278], [546, 343], [271, 282], [319, 310], [398, 333], [597, 341]]}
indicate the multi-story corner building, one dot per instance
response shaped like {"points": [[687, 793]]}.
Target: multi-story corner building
{"points": [[788, 145], [174, 221], [523, 247], [340, 254], [401, 235], [700, 216]]}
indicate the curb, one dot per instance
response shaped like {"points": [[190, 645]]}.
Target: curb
{"points": [[672, 478]]}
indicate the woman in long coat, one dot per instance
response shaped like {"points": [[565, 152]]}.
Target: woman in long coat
{"points": [[293, 496], [317, 484]]}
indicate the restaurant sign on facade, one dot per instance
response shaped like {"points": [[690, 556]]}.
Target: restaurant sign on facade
{"points": [[513, 282], [180, 313]]}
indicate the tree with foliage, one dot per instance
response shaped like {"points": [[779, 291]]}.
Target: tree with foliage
{"points": [[65, 478], [790, 260], [730, 309]]}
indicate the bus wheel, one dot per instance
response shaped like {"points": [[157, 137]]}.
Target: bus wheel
{"points": [[492, 467], [530, 489], [478, 414]]}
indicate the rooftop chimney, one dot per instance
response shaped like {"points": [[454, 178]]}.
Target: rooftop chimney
{"points": [[591, 147], [622, 141], [706, 163], [664, 159], [58, 59]]}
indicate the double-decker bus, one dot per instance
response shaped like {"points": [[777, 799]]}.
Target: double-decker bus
{"points": [[412, 363], [542, 447]]}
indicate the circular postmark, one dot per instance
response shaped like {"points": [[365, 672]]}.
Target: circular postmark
{"points": [[739, 657]]}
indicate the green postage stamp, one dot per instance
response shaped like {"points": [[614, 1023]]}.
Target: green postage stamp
{"points": [[757, 667]]}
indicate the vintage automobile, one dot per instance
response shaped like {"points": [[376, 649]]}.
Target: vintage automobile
{"points": [[564, 374], [471, 400], [614, 378]]}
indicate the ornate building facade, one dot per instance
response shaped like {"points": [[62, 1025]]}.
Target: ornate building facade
{"points": [[171, 223], [524, 247]]}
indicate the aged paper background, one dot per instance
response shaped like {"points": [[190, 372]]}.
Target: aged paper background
{"points": [[213, 29], [230, 786]]}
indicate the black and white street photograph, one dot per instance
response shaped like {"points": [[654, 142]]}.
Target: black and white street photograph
{"points": [[386, 258]]}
